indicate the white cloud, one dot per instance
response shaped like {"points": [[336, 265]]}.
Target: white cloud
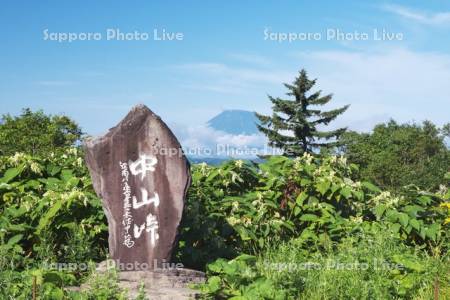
{"points": [[440, 18], [223, 78], [397, 83], [204, 141]]}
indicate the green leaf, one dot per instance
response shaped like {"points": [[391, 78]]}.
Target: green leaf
{"points": [[379, 210], [32, 184], [415, 224], [244, 233], [54, 278], [422, 232], [16, 212], [217, 266], [51, 291], [433, 231], [53, 169], [301, 198], [51, 182], [425, 200], [403, 219], [371, 187], [334, 188], [395, 227], [323, 187], [251, 259], [305, 182], [359, 195], [412, 210], [46, 219], [66, 174], [308, 218], [10, 174], [14, 240], [346, 192], [409, 262], [308, 234]]}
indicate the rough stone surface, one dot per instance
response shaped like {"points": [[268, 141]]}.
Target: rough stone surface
{"points": [[141, 174], [166, 284]]}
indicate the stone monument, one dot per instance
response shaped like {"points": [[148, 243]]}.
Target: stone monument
{"points": [[139, 171]]}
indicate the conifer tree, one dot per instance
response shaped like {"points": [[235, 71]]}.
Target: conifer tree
{"points": [[294, 124]]}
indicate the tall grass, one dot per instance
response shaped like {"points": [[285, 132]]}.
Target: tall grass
{"points": [[363, 267]]}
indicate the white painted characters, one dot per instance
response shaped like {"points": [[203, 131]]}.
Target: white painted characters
{"points": [[145, 199], [151, 226], [143, 164]]}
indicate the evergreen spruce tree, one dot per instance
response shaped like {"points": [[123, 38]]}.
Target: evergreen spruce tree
{"points": [[293, 126]]}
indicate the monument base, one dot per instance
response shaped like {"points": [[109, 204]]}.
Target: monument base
{"points": [[161, 284]]}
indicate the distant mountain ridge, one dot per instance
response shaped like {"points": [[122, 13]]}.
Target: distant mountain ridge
{"points": [[235, 121]]}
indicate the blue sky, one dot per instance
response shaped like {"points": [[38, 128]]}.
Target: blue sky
{"points": [[223, 60]]}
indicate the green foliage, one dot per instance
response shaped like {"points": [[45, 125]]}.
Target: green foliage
{"points": [[243, 208], [314, 206], [36, 133], [418, 218], [395, 155], [49, 284], [301, 120], [103, 287], [239, 219], [372, 264], [236, 279], [48, 210]]}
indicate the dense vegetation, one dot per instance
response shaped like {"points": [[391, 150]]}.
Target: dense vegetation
{"points": [[310, 227], [283, 212], [395, 155], [36, 133]]}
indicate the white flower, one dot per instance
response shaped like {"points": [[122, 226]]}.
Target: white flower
{"points": [[356, 219], [348, 181], [393, 201], [17, 158], [442, 189], [233, 221], [247, 221], [307, 157], [343, 160], [238, 163], [259, 195], [79, 162], [235, 205], [36, 168], [297, 163], [234, 177], [73, 151], [203, 168]]}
